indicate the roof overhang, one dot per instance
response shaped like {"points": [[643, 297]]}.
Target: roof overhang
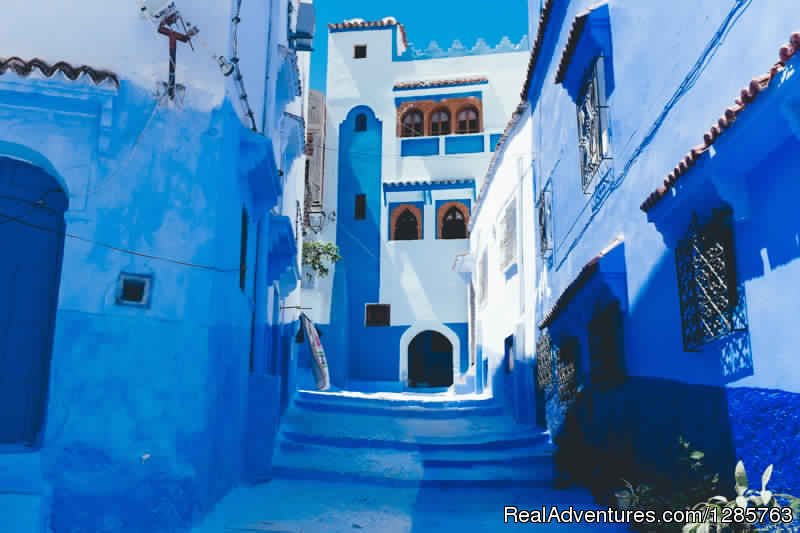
{"points": [[601, 281]]}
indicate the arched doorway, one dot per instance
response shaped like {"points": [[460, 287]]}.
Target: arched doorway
{"points": [[430, 360], [32, 206]]}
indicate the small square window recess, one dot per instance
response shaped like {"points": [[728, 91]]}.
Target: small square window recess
{"points": [[361, 207], [378, 315], [134, 290], [360, 51]]}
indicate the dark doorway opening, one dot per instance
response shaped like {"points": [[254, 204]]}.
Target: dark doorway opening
{"points": [[454, 225], [407, 228], [430, 360], [32, 206]]}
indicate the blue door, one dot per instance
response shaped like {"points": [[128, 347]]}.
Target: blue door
{"points": [[32, 207]]}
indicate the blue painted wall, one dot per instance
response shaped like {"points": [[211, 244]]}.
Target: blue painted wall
{"points": [[662, 99], [358, 273], [147, 407], [464, 144], [419, 147]]}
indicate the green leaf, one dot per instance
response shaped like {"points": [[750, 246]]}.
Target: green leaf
{"points": [[766, 496], [740, 475], [690, 528], [697, 455], [765, 477], [704, 528]]}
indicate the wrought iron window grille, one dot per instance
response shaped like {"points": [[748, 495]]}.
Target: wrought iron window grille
{"points": [[544, 361], [711, 301], [544, 211], [567, 370], [592, 123], [508, 244], [482, 277]]}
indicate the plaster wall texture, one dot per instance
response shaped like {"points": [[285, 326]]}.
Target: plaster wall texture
{"points": [[653, 122], [148, 407], [508, 308]]}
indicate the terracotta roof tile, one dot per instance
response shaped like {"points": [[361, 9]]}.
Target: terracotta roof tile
{"points": [[544, 19], [387, 22], [586, 273], [746, 97], [451, 181], [26, 68], [439, 83], [575, 33]]}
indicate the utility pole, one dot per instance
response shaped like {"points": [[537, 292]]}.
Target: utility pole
{"points": [[167, 27]]}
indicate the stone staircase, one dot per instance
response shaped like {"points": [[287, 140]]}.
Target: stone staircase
{"points": [[409, 439], [23, 494]]}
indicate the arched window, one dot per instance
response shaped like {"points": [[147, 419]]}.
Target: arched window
{"points": [[361, 122], [406, 227], [468, 120], [440, 122], [454, 225], [412, 124]]}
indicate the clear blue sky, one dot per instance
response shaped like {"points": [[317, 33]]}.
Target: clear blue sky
{"points": [[442, 21]]}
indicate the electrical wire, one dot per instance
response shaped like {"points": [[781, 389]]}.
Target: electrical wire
{"points": [[20, 219], [123, 164], [688, 82]]}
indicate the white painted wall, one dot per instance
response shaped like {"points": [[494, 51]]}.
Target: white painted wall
{"points": [[417, 277], [504, 310]]}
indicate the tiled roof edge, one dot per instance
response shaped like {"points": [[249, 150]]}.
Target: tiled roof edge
{"points": [[439, 83], [575, 32], [746, 97], [26, 68], [586, 273]]}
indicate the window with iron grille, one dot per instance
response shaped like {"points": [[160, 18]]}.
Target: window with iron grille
{"points": [[545, 214], [544, 360], [508, 243], [567, 370], [378, 315], [592, 127], [482, 277], [707, 284]]}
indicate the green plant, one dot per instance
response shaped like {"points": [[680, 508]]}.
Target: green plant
{"points": [[750, 510], [319, 256], [689, 481]]}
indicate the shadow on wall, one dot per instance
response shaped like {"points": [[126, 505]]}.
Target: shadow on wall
{"points": [[632, 432]]}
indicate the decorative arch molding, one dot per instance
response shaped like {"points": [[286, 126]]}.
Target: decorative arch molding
{"points": [[417, 328], [428, 107], [372, 118], [442, 210], [399, 209], [32, 157]]}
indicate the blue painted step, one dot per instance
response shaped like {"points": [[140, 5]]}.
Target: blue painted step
{"points": [[404, 465], [404, 410], [367, 479], [393, 400], [484, 442]]}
